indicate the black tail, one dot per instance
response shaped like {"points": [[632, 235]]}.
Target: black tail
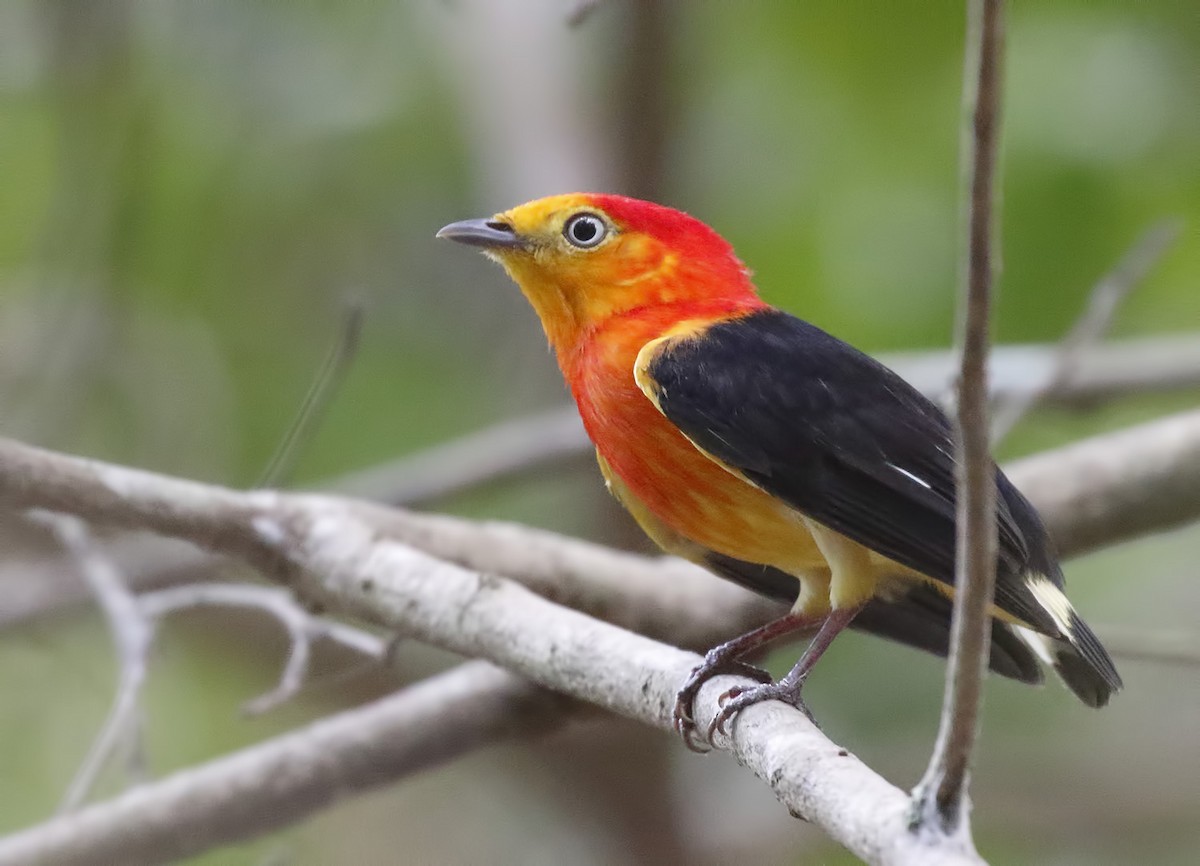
{"points": [[1083, 664], [1035, 596]]}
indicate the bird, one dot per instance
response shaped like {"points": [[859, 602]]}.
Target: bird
{"points": [[758, 446]]}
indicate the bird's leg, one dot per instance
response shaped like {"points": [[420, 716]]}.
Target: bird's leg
{"points": [[725, 659], [788, 688]]}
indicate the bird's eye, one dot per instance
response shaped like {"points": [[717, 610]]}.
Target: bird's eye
{"points": [[585, 230]]}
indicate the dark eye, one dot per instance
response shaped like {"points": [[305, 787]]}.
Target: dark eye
{"points": [[585, 230]]}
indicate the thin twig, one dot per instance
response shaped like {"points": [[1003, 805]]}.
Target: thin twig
{"points": [[303, 628], [324, 385], [1097, 317], [133, 623], [941, 801], [132, 635]]}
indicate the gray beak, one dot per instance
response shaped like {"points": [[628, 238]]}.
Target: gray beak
{"points": [[483, 233]]}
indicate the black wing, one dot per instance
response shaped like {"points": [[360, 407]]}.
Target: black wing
{"points": [[841, 438]]}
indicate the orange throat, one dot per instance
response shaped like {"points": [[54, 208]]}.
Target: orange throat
{"points": [[656, 464]]}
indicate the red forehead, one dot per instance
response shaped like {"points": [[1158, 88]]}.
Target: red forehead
{"points": [[666, 224]]}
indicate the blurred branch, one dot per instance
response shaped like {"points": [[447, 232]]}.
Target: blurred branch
{"points": [[324, 385], [1097, 317], [1171, 647], [643, 98], [279, 782], [1116, 486], [502, 451], [133, 623], [38, 587], [1121, 368], [132, 636], [515, 447], [303, 628], [941, 803]]}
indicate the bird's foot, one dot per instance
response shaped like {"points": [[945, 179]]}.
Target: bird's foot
{"points": [[715, 664], [737, 699]]}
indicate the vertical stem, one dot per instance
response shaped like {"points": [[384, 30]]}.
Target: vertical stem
{"points": [[646, 94], [941, 798]]}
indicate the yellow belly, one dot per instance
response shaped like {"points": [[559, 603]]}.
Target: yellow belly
{"points": [[723, 513], [738, 520]]}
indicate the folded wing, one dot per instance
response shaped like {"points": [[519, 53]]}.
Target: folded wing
{"points": [[842, 439]]}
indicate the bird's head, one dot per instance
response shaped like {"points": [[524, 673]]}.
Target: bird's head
{"points": [[583, 258]]}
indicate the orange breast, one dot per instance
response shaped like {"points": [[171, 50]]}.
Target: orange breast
{"points": [[675, 481]]}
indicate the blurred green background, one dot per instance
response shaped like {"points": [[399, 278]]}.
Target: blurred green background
{"points": [[193, 191]]}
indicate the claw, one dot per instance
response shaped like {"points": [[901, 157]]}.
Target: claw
{"points": [[690, 739], [723, 715], [685, 725], [714, 665], [737, 699]]}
